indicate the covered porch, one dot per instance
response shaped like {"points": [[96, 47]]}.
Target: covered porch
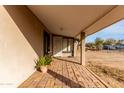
{"points": [[63, 74], [38, 30]]}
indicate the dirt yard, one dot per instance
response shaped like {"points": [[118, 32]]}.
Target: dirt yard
{"points": [[109, 65]]}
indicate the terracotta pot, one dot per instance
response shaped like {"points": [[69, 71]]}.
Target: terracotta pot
{"points": [[43, 69]]}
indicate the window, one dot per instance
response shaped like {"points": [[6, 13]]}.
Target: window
{"points": [[67, 45]]}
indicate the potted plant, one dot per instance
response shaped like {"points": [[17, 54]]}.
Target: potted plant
{"points": [[42, 63]]}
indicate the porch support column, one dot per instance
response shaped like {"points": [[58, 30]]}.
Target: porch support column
{"points": [[82, 48]]}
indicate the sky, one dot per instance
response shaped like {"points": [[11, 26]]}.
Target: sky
{"points": [[115, 31]]}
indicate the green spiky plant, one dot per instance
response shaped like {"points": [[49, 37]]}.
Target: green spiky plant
{"points": [[43, 61]]}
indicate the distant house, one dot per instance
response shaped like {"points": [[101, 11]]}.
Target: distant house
{"points": [[113, 47], [121, 46], [109, 47]]}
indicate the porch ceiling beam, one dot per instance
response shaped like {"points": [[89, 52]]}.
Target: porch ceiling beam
{"points": [[114, 16], [95, 21]]}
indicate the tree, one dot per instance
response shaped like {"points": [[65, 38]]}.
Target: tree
{"points": [[119, 42], [90, 45], [110, 41], [99, 43]]}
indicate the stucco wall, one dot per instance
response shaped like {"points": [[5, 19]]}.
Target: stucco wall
{"points": [[21, 41]]}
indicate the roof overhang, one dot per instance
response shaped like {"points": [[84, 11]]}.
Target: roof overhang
{"points": [[115, 15], [71, 20]]}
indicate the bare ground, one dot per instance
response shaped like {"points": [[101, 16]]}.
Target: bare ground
{"points": [[109, 65]]}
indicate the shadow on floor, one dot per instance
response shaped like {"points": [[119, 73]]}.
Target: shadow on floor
{"points": [[65, 80], [62, 59]]}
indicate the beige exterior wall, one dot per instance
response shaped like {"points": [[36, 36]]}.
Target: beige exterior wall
{"points": [[21, 42]]}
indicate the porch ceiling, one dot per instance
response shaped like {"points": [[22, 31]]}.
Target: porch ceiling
{"points": [[70, 20]]}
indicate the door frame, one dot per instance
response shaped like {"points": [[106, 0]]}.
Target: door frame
{"points": [[54, 35], [46, 42]]}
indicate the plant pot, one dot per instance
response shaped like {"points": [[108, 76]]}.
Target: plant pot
{"points": [[43, 69]]}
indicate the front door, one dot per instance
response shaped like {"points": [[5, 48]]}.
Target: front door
{"points": [[57, 46]]}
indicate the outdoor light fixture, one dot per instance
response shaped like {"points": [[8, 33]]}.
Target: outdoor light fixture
{"points": [[61, 28]]}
